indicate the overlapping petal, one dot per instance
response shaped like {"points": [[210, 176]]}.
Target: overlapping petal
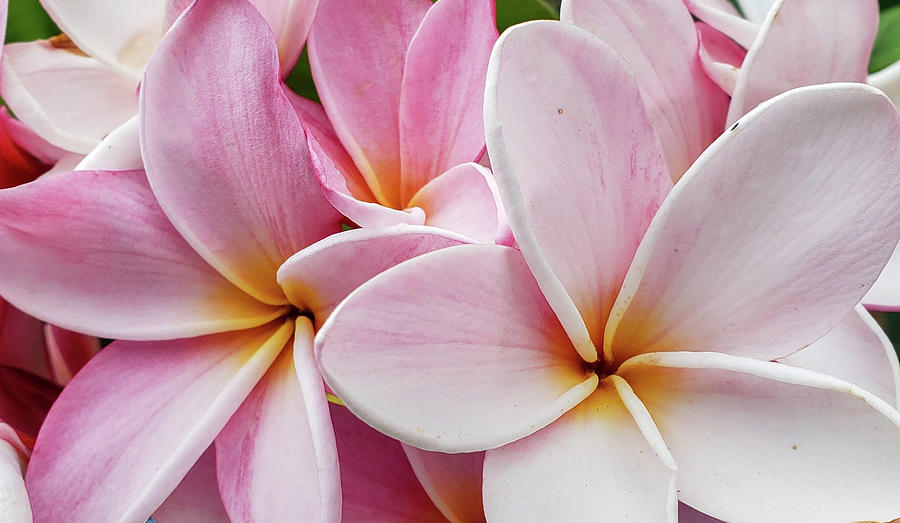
{"points": [[196, 499], [13, 496], [120, 150], [885, 292], [721, 57], [452, 481], [888, 80], [761, 254]]}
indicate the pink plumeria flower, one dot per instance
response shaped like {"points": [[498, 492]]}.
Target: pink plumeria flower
{"points": [[81, 87], [403, 83], [568, 361], [791, 43], [197, 264]]}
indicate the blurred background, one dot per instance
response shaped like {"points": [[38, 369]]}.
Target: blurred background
{"points": [[28, 21]]}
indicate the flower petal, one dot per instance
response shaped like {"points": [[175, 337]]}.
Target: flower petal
{"points": [[67, 352], [319, 277], [196, 499], [885, 292], [24, 400], [756, 10], [465, 200], [235, 139], [442, 93], [94, 101], [761, 254], [22, 341], [578, 165], [687, 109], [129, 427], [726, 20], [119, 151], [276, 457], [455, 351], [688, 514], [358, 57], [13, 497], [806, 42], [593, 463], [858, 351], [77, 248], [721, 57], [290, 21], [452, 481], [888, 80], [762, 441], [376, 480]]}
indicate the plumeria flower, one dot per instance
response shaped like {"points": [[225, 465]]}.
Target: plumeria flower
{"points": [[791, 43], [76, 89], [403, 83], [621, 361], [194, 268]]}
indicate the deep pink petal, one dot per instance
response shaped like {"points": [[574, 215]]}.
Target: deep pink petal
{"points": [[452, 481], [196, 499], [77, 249], [763, 441], [130, 426], [276, 457], [22, 341], [317, 278], [720, 56], [358, 57], [377, 481], [67, 352], [228, 132], [579, 168], [442, 93], [455, 350], [28, 141], [761, 254], [806, 42], [593, 463], [24, 400], [93, 102], [687, 514], [687, 109]]}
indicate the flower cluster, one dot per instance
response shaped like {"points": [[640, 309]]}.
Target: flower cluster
{"points": [[612, 267]]}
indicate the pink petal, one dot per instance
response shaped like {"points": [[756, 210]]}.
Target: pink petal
{"points": [[130, 426], [24, 400], [377, 481], [888, 80], [94, 101], [762, 441], [592, 464], [22, 341], [442, 93], [806, 42], [317, 278], [479, 363], [196, 499], [579, 168], [721, 57], [28, 141], [120, 150], [17, 166], [276, 457], [13, 496], [358, 57], [885, 292], [725, 19], [452, 481], [235, 139], [686, 108], [858, 351], [77, 248], [687, 514], [465, 200], [290, 21], [760, 254], [67, 352]]}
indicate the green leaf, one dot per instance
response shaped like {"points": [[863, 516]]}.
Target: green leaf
{"points": [[28, 21], [512, 12], [887, 43], [300, 80]]}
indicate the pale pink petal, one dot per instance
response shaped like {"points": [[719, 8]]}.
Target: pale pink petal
{"points": [[858, 351], [235, 139], [885, 292], [92, 251], [442, 94], [592, 464], [721, 57], [120, 34], [756, 10], [65, 164], [761, 254], [67, 98], [358, 57], [465, 200], [290, 21], [686, 108], [578, 165], [276, 457], [317, 278], [119, 151], [728, 21], [196, 499], [377, 481], [28, 141], [452, 481], [888, 80], [806, 42], [13, 497], [22, 341], [763, 441], [455, 350], [130, 426], [67, 352]]}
